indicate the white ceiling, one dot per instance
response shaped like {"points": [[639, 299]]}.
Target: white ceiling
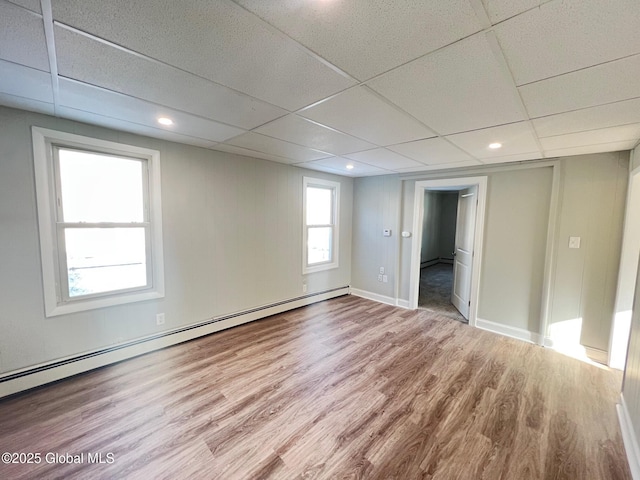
{"points": [[382, 86]]}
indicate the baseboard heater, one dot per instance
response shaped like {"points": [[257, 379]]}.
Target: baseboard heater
{"points": [[31, 377]]}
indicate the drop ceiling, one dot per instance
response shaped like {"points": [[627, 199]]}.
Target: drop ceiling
{"points": [[382, 86]]}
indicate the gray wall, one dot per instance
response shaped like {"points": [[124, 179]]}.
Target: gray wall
{"points": [[438, 225], [515, 240], [592, 203], [377, 201], [518, 210], [430, 249], [232, 241], [447, 227]]}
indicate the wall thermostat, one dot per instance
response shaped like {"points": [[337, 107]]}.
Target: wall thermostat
{"points": [[386, 232]]}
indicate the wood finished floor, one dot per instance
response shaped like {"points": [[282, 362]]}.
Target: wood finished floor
{"points": [[346, 388]]}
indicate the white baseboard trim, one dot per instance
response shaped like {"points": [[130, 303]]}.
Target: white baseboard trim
{"points": [[402, 303], [373, 296], [629, 438], [597, 355], [37, 375], [508, 331]]}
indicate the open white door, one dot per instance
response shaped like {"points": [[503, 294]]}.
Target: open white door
{"points": [[463, 254]]}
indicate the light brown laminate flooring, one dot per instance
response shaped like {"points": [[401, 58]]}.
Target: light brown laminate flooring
{"points": [[346, 388]]}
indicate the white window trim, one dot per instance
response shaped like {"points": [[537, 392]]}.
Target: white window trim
{"points": [[311, 182], [45, 189]]}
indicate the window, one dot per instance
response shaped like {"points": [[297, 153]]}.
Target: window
{"points": [[321, 199], [100, 222]]}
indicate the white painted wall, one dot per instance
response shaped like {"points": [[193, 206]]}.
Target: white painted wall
{"points": [[232, 241]]}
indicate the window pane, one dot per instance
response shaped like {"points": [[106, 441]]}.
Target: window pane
{"points": [[319, 208], [319, 241], [100, 188], [105, 259]]}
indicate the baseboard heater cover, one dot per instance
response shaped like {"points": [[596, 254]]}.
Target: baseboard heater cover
{"points": [[167, 338]]}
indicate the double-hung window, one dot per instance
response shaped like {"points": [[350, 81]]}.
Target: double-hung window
{"points": [[321, 200], [100, 222]]}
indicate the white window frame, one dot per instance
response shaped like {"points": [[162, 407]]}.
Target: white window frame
{"points": [[56, 299], [333, 262]]}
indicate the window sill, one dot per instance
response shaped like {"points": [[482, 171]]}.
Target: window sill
{"points": [[319, 268], [94, 303]]}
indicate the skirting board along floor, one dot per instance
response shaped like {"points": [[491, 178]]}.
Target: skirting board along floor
{"points": [[17, 381], [513, 332]]}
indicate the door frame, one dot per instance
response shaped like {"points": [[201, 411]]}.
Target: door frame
{"points": [[418, 213]]}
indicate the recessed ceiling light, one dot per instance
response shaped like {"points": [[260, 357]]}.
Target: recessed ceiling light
{"points": [[493, 146], [165, 121], [349, 167]]}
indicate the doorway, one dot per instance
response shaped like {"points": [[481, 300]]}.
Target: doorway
{"points": [[437, 253], [465, 256]]}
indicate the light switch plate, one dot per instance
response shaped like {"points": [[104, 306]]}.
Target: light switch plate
{"points": [[574, 242]]}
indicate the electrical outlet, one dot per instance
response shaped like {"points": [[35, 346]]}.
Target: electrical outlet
{"points": [[381, 270], [304, 288], [160, 319], [385, 278], [379, 278]]}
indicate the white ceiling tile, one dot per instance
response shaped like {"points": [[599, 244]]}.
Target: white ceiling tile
{"points": [[500, 10], [563, 36], [380, 35], [322, 168], [339, 165], [461, 87], [88, 98], [587, 149], [159, 83], [607, 83], [593, 137], [33, 5], [22, 37], [442, 166], [274, 146], [24, 103], [361, 113], [217, 40], [223, 147], [383, 158], [520, 157], [432, 151], [25, 82], [602, 116], [295, 129], [123, 125], [516, 138]]}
